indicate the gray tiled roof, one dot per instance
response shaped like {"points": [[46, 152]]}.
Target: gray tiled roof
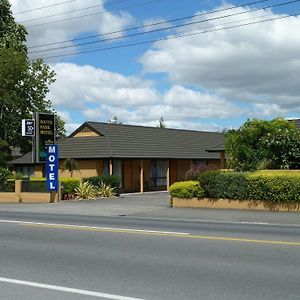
{"points": [[127, 141]]}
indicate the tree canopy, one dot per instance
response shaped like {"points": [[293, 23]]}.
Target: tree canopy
{"points": [[261, 144], [24, 85], [161, 123]]}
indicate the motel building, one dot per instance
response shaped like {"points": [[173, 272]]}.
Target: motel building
{"points": [[145, 158]]}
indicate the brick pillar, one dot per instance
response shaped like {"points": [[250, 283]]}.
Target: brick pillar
{"points": [[142, 177], [18, 189]]}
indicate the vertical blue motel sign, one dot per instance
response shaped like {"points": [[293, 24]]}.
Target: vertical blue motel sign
{"points": [[52, 168]]}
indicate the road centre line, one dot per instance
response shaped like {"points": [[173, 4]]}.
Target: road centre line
{"points": [[73, 226], [66, 289], [147, 232], [165, 234]]}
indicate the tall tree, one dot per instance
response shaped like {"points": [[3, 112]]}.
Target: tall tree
{"points": [[70, 165], [161, 123], [23, 84], [114, 120], [261, 144]]}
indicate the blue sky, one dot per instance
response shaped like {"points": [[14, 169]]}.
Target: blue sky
{"points": [[208, 81]]}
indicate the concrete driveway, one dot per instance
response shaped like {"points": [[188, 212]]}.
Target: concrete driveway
{"points": [[126, 204]]}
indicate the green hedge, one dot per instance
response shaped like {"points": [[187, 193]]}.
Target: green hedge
{"points": [[68, 186], [111, 180], [271, 186], [186, 189]]}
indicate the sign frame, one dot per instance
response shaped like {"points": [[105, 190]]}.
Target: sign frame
{"points": [[45, 135]]}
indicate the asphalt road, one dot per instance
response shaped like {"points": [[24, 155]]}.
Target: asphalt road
{"points": [[49, 256]]}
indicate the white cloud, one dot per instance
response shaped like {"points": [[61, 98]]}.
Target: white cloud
{"points": [[100, 23], [155, 23], [255, 64], [65, 115], [98, 95], [70, 127], [77, 85]]}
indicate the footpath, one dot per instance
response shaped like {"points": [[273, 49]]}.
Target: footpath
{"points": [[152, 205]]}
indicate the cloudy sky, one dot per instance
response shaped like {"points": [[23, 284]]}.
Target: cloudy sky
{"points": [[204, 65]]}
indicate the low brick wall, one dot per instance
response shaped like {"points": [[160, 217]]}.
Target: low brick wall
{"points": [[28, 197], [232, 204], [9, 198], [39, 197]]}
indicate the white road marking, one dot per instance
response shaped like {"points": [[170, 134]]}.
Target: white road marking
{"points": [[93, 227], [66, 289], [215, 221]]}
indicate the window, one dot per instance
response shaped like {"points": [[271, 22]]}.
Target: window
{"points": [[105, 167], [159, 173], [118, 170]]}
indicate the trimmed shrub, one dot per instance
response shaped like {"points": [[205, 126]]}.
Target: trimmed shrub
{"points": [[110, 180], [186, 189], [68, 186], [272, 186], [224, 184]]}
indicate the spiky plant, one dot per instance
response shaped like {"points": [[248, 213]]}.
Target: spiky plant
{"points": [[85, 190], [105, 190]]}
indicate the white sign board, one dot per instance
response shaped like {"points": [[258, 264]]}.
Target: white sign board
{"points": [[28, 127]]}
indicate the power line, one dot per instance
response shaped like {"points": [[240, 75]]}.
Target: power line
{"points": [[94, 14], [43, 7], [174, 37], [167, 28], [149, 25], [70, 11]]}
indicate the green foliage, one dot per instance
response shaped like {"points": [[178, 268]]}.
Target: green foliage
{"points": [[105, 190], [272, 186], [110, 180], [276, 187], [5, 174], [194, 172], [71, 165], [260, 144], [85, 190], [68, 186], [222, 184], [12, 35], [20, 176], [186, 189], [23, 84], [5, 153], [7, 186]]}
